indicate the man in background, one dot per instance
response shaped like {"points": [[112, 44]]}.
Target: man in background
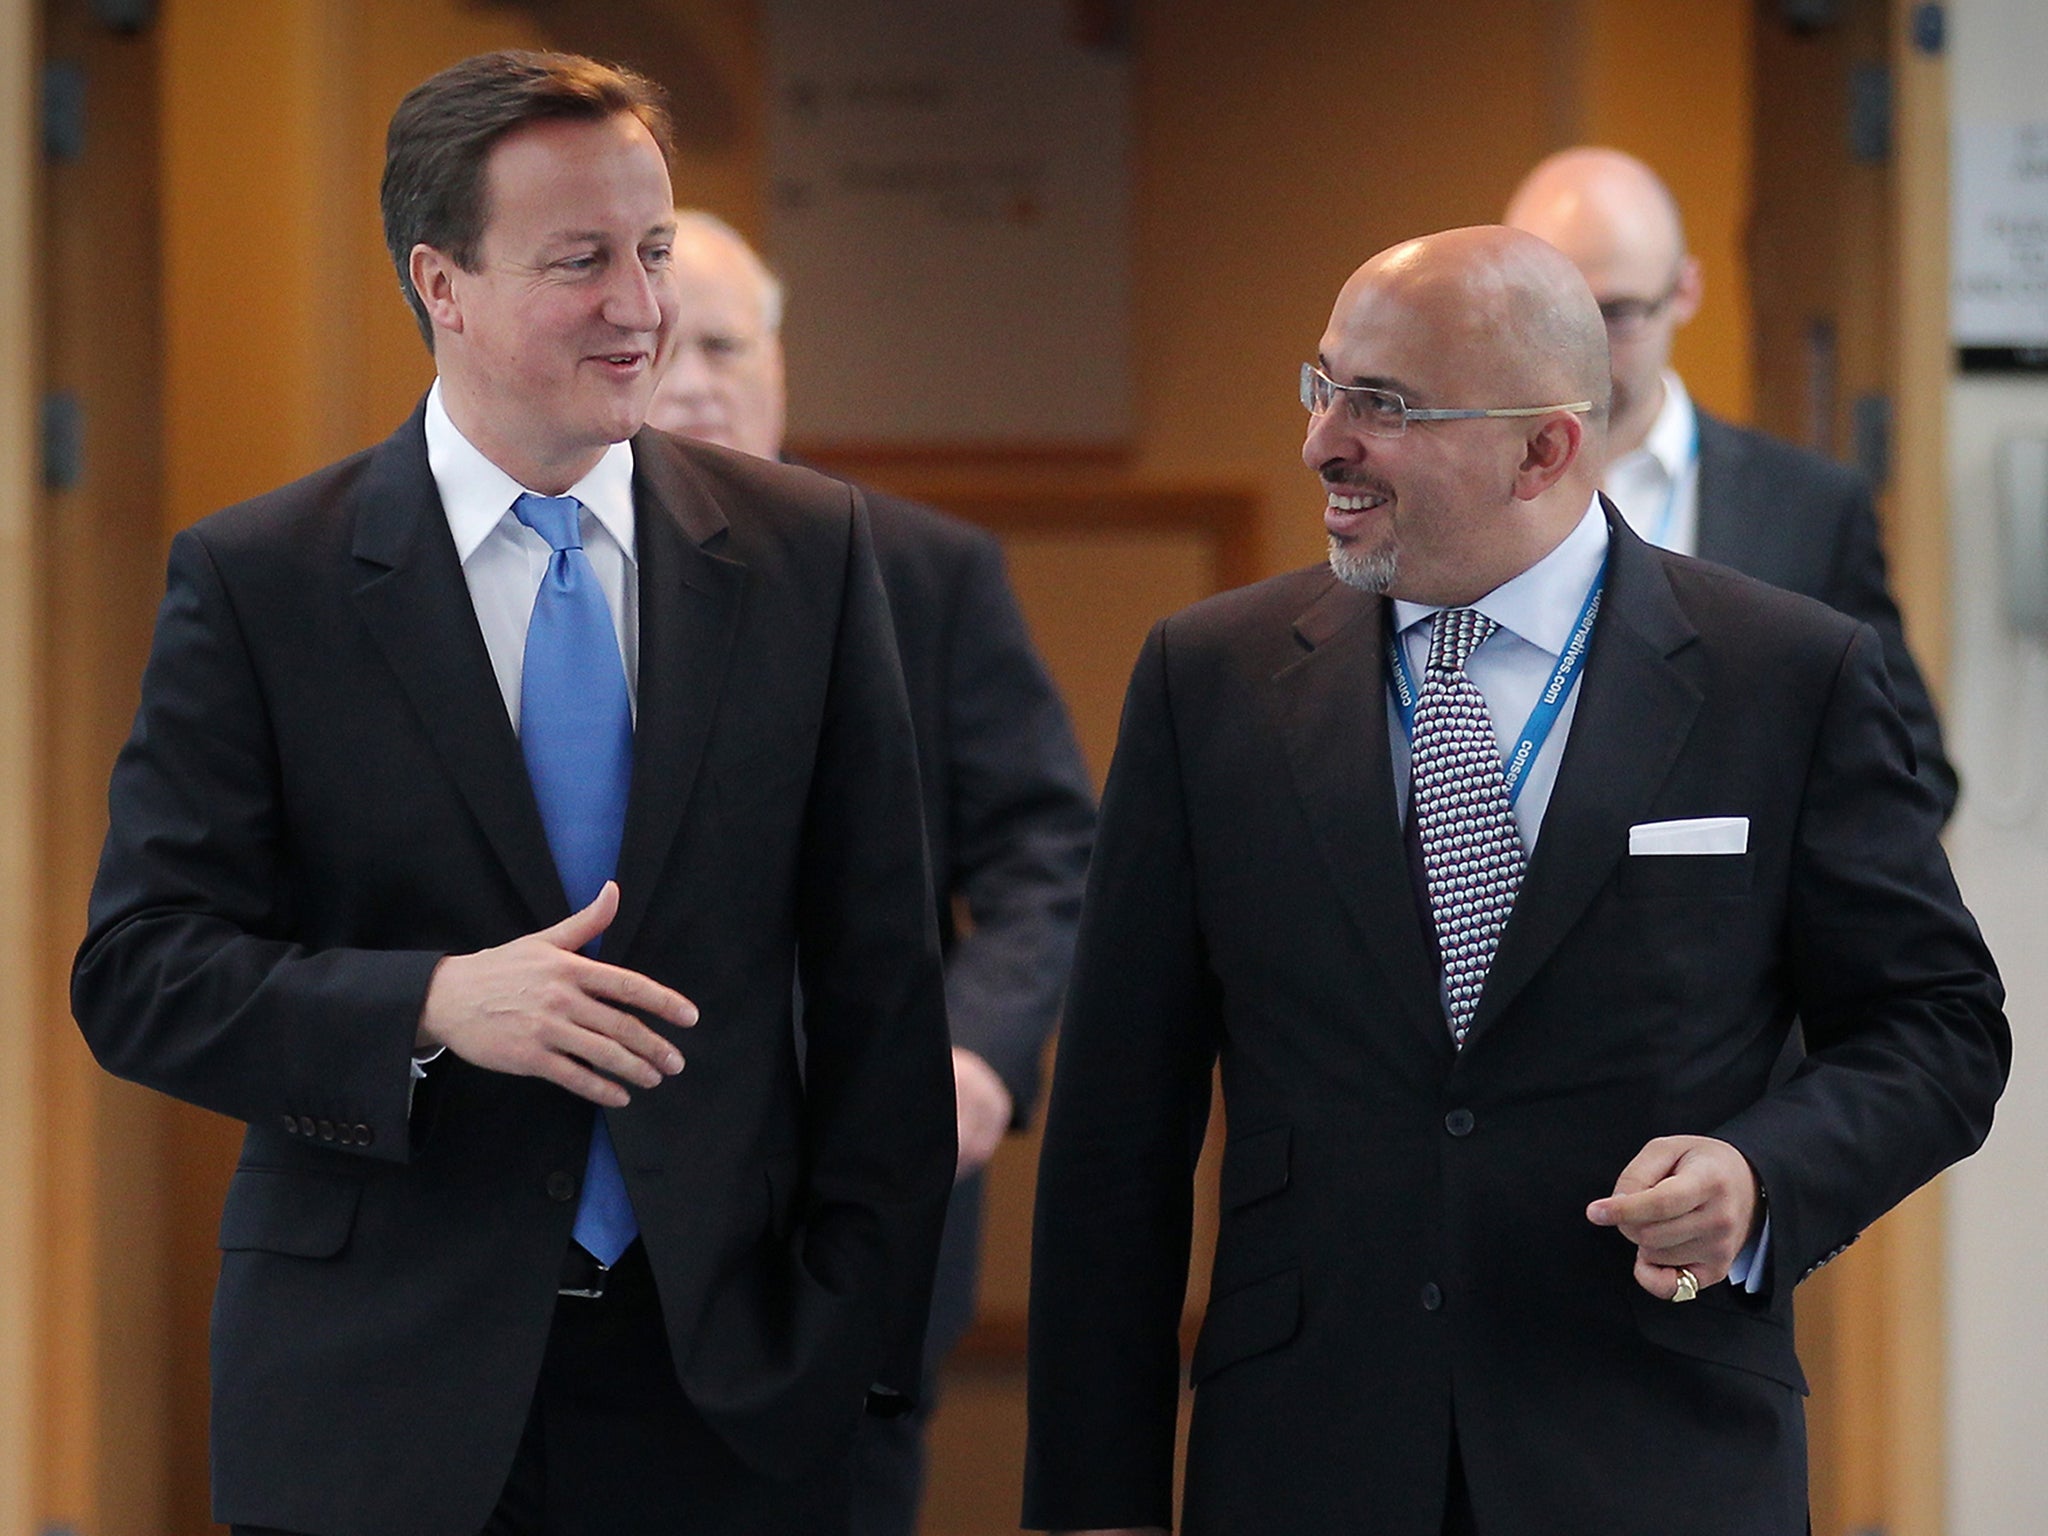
{"points": [[1685, 480], [476, 779], [1008, 807]]}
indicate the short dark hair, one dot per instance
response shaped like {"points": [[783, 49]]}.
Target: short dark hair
{"points": [[442, 134]]}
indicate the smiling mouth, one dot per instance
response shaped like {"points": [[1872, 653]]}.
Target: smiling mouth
{"points": [[1363, 501]]}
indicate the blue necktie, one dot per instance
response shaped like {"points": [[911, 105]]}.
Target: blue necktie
{"points": [[576, 731]]}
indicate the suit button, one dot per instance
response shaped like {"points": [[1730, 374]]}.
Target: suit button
{"points": [[561, 1186], [291, 1125], [306, 1125], [1432, 1297], [1459, 1122], [365, 1136], [327, 1130]]}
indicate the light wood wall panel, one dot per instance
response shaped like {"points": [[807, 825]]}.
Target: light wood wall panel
{"points": [[18, 1112]]}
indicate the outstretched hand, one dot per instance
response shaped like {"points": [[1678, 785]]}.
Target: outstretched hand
{"points": [[1684, 1201], [536, 1007]]}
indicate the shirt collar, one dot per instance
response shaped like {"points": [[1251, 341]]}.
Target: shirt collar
{"points": [[1543, 603], [1672, 435], [476, 495]]}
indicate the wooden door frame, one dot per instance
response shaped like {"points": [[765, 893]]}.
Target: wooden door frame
{"points": [[19, 156]]}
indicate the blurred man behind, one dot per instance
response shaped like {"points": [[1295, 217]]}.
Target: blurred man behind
{"points": [[1684, 479], [1008, 805]]}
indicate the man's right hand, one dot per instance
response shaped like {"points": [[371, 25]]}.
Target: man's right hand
{"points": [[537, 1008]]}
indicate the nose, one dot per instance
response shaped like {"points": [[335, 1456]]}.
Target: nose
{"points": [[1327, 445], [633, 302]]}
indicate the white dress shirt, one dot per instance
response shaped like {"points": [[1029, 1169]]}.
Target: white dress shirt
{"points": [[503, 560], [1536, 612], [1657, 487]]}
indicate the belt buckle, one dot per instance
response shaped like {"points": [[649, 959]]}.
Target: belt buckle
{"points": [[583, 1276]]}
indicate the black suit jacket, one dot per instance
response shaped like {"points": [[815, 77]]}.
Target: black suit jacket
{"points": [[1404, 1254], [323, 795], [1806, 523], [1009, 813]]}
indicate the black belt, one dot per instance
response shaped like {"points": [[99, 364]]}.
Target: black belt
{"points": [[582, 1275]]}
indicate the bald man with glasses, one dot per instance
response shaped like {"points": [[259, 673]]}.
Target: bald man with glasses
{"points": [[1686, 480], [1486, 868]]}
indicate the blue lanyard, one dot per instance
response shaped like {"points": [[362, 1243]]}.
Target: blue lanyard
{"points": [[1662, 537], [1549, 703]]}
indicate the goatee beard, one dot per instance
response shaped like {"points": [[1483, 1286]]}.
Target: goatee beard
{"points": [[1369, 570]]}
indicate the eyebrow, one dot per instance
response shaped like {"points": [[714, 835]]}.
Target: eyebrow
{"points": [[1369, 381]]}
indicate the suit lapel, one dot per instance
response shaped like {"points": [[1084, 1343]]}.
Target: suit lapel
{"points": [[1333, 714], [689, 616], [416, 605], [1728, 530], [1634, 713]]}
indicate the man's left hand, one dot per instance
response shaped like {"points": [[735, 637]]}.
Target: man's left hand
{"points": [[983, 1108], [1685, 1201]]}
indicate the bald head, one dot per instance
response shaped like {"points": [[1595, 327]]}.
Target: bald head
{"points": [[724, 383], [1497, 328], [1507, 310], [1620, 226]]}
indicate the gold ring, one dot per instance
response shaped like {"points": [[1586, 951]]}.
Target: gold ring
{"points": [[1688, 1285]]}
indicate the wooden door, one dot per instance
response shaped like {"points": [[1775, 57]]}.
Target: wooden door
{"points": [[1845, 257], [98, 1255]]}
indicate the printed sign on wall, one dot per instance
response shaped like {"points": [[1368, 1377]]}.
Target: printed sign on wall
{"points": [[949, 204]]}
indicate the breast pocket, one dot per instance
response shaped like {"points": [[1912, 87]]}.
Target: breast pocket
{"points": [[1681, 876]]}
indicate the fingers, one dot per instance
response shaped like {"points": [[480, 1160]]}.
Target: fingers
{"points": [[537, 1008], [630, 989], [1696, 1214], [579, 928], [1645, 1172], [1661, 1280]]}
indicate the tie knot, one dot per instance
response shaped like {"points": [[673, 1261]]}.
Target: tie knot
{"points": [[558, 519], [1457, 633]]}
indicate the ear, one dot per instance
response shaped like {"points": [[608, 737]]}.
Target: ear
{"points": [[1691, 289], [1548, 453], [433, 276]]}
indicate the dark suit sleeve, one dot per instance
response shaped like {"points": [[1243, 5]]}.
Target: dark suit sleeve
{"points": [[1023, 817], [185, 982], [1907, 1046], [1857, 586], [878, 1074], [1129, 1107]]}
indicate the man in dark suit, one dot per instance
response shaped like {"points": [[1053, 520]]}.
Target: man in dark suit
{"points": [[1492, 865], [1686, 480], [476, 778], [1008, 806]]}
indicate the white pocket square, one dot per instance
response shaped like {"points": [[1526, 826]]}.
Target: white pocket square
{"points": [[1701, 834]]}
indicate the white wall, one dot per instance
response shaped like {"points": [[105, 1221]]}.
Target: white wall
{"points": [[1998, 731]]}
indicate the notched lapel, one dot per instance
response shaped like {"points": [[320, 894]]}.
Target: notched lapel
{"points": [[689, 618], [1333, 715], [417, 608], [1636, 709]]}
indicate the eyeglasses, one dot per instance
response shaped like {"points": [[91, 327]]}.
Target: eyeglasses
{"points": [[1382, 413], [1626, 317]]}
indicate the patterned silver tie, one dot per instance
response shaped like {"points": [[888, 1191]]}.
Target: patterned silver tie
{"points": [[1471, 852]]}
